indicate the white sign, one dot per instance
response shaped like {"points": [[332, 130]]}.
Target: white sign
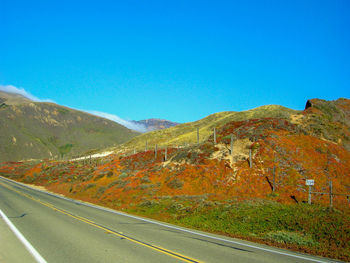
{"points": [[310, 182]]}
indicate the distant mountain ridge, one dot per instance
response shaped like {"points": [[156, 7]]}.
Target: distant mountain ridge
{"points": [[156, 124], [37, 130]]}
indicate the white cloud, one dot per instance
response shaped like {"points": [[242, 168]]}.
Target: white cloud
{"points": [[21, 91], [128, 124]]}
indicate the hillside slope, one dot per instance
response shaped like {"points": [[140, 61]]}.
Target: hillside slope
{"points": [[328, 120], [36, 130], [187, 132]]}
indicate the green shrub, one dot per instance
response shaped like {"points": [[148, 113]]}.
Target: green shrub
{"points": [[123, 175], [145, 179], [290, 238], [119, 183], [90, 186], [63, 111], [175, 184], [101, 190], [98, 177]]}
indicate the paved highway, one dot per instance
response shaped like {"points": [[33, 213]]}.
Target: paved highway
{"points": [[64, 230]]}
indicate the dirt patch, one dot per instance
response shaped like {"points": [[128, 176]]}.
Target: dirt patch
{"points": [[296, 119], [240, 151], [43, 188]]}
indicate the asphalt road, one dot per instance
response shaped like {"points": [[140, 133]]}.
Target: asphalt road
{"points": [[64, 230]]}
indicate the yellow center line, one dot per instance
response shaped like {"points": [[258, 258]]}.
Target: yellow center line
{"points": [[87, 221]]}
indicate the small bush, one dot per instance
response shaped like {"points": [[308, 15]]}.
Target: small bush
{"points": [[148, 203], [98, 177], [123, 175], [101, 190], [145, 179], [119, 183], [90, 186], [175, 184], [114, 183]]}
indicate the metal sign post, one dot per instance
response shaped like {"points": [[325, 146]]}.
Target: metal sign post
{"points": [[310, 183]]}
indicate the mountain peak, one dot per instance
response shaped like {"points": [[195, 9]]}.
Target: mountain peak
{"points": [[156, 124]]}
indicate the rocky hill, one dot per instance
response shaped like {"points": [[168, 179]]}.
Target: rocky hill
{"points": [[37, 130], [328, 120]]}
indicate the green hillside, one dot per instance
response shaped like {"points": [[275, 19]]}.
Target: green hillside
{"points": [[36, 130], [187, 132]]}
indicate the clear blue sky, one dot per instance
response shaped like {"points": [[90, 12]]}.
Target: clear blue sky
{"points": [[178, 60]]}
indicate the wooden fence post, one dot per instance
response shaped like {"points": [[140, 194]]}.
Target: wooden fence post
{"points": [[214, 135], [231, 144], [146, 146], [274, 179], [250, 158], [197, 135], [155, 151], [330, 194], [166, 153]]}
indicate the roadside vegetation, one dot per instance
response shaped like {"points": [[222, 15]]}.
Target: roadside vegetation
{"points": [[312, 229]]}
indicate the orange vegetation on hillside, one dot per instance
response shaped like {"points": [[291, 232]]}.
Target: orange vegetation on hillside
{"points": [[276, 145]]}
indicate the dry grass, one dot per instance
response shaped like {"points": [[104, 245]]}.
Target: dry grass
{"points": [[187, 133]]}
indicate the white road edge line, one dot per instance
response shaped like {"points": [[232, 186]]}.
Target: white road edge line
{"points": [[309, 258], [25, 242]]}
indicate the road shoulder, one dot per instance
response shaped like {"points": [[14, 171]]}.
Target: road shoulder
{"points": [[11, 248]]}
